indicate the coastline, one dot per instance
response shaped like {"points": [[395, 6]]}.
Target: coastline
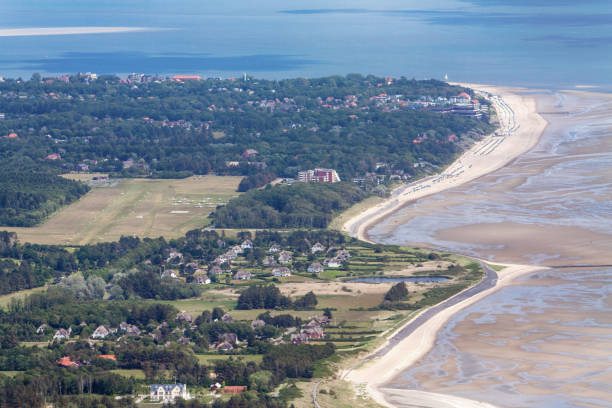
{"points": [[44, 31], [520, 130], [374, 373]]}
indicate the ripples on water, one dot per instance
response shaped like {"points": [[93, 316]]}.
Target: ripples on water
{"points": [[546, 340]]}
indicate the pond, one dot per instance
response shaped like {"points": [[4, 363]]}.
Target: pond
{"points": [[414, 279]]}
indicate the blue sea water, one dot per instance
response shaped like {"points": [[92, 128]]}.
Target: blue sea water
{"points": [[535, 43]]}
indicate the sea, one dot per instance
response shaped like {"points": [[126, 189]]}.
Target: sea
{"points": [[544, 341], [535, 43]]}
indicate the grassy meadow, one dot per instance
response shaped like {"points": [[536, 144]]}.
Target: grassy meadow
{"points": [[142, 207]]}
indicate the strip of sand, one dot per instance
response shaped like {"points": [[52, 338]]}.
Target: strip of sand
{"points": [[374, 373], [520, 129], [38, 31]]}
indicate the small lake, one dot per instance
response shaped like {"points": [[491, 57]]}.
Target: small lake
{"points": [[414, 279]]}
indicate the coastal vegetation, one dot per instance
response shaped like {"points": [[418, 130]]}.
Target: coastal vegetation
{"points": [[255, 128], [300, 205], [239, 333]]}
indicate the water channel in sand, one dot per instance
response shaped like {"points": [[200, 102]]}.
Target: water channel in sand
{"points": [[546, 340]]}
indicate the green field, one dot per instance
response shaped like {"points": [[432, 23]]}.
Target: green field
{"points": [[142, 207]]}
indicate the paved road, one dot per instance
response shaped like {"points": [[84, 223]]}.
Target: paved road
{"points": [[489, 281]]}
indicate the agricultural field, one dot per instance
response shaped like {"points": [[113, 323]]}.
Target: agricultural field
{"points": [[141, 207]]}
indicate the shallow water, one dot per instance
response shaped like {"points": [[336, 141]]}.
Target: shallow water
{"points": [[546, 340], [413, 279]]}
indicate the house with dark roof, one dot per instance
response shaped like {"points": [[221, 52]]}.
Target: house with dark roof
{"points": [[318, 247], [100, 333], [62, 334], [242, 275], [285, 257], [269, 261], [315, 267], [281, 272]]}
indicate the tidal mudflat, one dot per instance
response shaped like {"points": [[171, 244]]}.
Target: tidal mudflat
{"points": [[546, 339]]}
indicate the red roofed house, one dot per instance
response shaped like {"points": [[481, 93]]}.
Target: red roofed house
{"points": [[67, 362], [53, 156], [464, 95], [12, 135], [186, 77], [250, 152], [108, 356]]}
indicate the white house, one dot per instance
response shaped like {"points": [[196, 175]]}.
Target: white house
{"points": [[315, 267], [168, 392], [100, 333], [318, 247], [62, 334], [246, 244], [281, 271]]}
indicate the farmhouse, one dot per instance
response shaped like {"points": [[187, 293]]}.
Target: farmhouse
{"points": [[285, 257], [184, 317], [215, 270], [41, 328], [169, 273], [299, 338], [318, 247], [246, 244], [274, 248], [333, 263], [242, 275], [315, 267], [168, 392], [269, 261], [100, 333], [281, 271], [202, 279], [62, 334]]}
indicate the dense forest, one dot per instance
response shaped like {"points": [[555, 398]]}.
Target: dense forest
{"points": [[300, 205], [28, 194], [257, 128]]}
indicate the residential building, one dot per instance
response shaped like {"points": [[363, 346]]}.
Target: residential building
{"points": [[285, 257], [168, 392], [318, 247], [269, 261], [274, 248], [299, 338], [281, 271], [242, 275], [246, 244], [318, 176], [100, 333], [67, 362], [315, 267], [202, 279], [62, 334]]}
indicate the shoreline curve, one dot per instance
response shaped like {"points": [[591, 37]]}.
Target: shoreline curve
{"points": [[520, 130]]}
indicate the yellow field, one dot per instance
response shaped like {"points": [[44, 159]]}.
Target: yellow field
{"points": [[141, 207]]}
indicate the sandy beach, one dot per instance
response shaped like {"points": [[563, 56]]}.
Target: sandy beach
{"points": [[374, 373], [520, 129], [36, 31]]}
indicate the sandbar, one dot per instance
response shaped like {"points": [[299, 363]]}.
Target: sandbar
{"points": [[44, 31]]}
